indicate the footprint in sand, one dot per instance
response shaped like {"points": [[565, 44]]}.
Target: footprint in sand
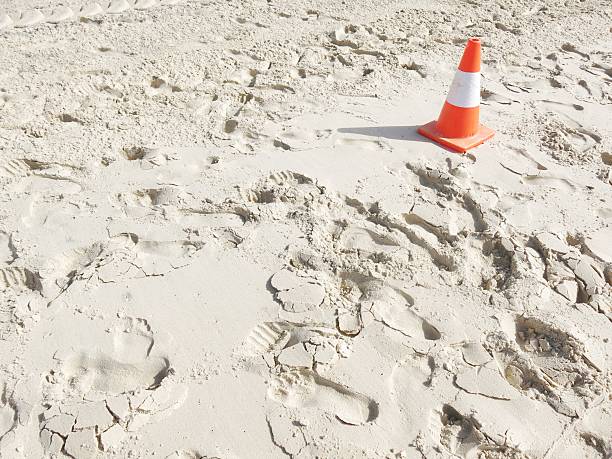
{"points": [[283, 186], [29, 18], [393, 308], [411, 391], [299, 138], [560, 355], [8, 413], [104, 398], [19, 279], [549, 361], [458, 434], [153, 197], [296, 294], [159, 257], [103, 373], [118, 6], [268, 336], [64, 13], [83, 429], [35, 176], [5, 21], [12, 169], [145, 4], [463, 435], [175, 166], [243, 21], [565, 137], [306, 389], [131, 367], [7, 251], [90, 10], [361, 144], [131, 257], [59, 14], [418, 387], [549, 181], [293, 344], [367, 241]]}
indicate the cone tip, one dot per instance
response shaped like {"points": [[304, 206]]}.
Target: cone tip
{"points": [[470, 61]]}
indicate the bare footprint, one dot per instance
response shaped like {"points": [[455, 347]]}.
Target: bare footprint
{"points": [[306, 389], [132, 388], [130, 367], [106, 374]]}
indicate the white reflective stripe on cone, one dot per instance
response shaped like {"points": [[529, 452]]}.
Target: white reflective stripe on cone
{"points": [[465, 90]]}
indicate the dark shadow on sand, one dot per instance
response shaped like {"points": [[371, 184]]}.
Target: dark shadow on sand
{"points": [[387, 132]]}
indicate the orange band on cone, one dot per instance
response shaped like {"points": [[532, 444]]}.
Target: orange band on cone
{"points": [[470, 62], [457, 122]]}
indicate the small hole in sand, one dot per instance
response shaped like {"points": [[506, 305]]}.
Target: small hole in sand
{"points": [[157, 83], [230, 126], [134, 153], [67, 118]]}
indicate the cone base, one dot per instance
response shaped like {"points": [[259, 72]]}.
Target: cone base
{"points": [[461, 144]]}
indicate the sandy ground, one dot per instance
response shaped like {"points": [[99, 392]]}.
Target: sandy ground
{"points": [[221, 236]]}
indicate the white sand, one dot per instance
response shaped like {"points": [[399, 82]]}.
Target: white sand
{"points": [[221, 236]]}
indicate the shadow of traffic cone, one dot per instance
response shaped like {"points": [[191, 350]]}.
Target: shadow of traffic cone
{"points": [[458, 126]]}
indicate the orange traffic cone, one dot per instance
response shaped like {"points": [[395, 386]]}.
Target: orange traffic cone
{"points": [[458, 126]]}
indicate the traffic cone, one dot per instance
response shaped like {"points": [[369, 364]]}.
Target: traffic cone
{"points": [[458, 126]]}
